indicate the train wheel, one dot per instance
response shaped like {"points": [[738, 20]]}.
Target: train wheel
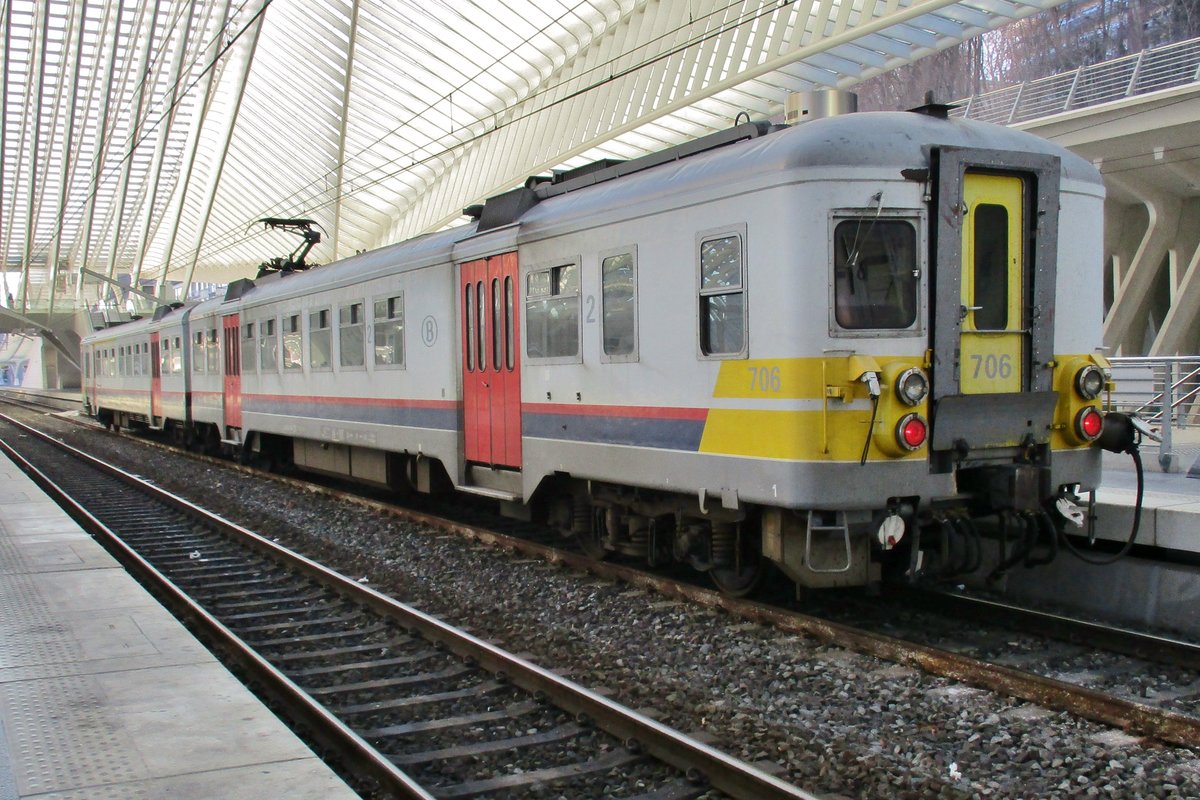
{"points": [[591, 542], [741, 568]]}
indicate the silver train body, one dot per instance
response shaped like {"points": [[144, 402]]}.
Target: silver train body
{"points": [[803, 346]]}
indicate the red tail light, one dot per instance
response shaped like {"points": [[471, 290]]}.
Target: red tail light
{"points": [[1088, 424], [911, 431]]}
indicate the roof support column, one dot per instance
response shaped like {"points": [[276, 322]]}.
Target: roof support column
{"points": [[345, 121], [102, 138], [164, 131], [211, 55], [75, 25], [4, 136], [41, 31], [143, 71], [253, 28]]}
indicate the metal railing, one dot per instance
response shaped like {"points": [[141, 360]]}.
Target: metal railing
{"points": [[1163, 391], [1153, 70]]}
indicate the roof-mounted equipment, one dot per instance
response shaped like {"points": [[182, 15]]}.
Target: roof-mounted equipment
{"points": [[295, 261]]}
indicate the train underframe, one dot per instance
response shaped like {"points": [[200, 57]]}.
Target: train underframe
{"points": [[1004, 517]]}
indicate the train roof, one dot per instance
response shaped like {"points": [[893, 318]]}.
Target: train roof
{"points": [[869, 144]]}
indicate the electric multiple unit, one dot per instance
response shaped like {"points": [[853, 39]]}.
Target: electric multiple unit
{"points": [[813, 346]]}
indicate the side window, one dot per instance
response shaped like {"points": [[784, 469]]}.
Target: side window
{"points": [[213, 352], [198, 357], [618, 301], [177, 356], [722, 296], [389, 332], [267, 354], [319, 339], [875, 273], [351, 326], [293, 356], [248, 348], [552, 312], [164, 356]]}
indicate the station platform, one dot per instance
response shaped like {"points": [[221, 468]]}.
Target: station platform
{"points": [[103, 694]]}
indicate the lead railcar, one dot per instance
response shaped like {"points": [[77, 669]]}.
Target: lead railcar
{"points": [[811, 346]]}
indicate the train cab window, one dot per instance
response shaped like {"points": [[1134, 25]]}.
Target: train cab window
{"points": [[248, 348], [351, 327], [990, 270], [875, 273], [319, 340], [293, 356], [552, 312], [389, 332], [268, 355], [618, 301], [198, 357], [722, 296]]}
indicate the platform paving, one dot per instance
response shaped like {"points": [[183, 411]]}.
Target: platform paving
{"points": [[103, 694]]}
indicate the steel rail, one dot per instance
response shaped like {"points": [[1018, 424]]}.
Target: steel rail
{"points": [[1087, 703], [1146, 646], [327, 728], [730, 775]]}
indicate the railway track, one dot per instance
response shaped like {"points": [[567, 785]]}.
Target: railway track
{"points": [[425, 709], [982, 663]]}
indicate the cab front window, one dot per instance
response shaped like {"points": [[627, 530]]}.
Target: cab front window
{"points": [[876, 274]]}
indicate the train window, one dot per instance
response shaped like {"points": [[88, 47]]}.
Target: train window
{"points": [[618, 300], [990, 270], [198, 358], [248, 348], [212, 352], [389, 332], [875, 273], [351, 330], [164, 357], [722, 297], [177, 356], [552, 312], [293, 355], [498, 327], [469, 305], [268, 354], [319, 339], [481, 326], [510, 325]]}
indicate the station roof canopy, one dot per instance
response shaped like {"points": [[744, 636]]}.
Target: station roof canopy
{"points": [[146, 137]]}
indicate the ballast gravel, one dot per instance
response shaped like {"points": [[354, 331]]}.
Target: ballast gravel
{"points": [[840, 724]]}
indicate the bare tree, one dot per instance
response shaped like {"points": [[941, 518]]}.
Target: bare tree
{"points": [[1071, 35]]}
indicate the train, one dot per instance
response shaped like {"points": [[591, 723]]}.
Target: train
{"points": [[840, 352]]}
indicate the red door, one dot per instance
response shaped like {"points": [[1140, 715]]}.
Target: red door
{"points": [[155, 380], [233, 372], [491, 359]]}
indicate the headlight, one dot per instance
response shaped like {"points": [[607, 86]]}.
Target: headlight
{"points": [[912, 386], [911, 431], [1089, 382]]}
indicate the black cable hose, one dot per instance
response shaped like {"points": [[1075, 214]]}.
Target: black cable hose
{"points": [[1137, 521], [870, 429]]}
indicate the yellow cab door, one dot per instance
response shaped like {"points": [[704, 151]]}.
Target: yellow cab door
{"points": [[993, 333]]}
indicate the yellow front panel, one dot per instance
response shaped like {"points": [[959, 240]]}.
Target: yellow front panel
{"points": [[993, 336]]}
